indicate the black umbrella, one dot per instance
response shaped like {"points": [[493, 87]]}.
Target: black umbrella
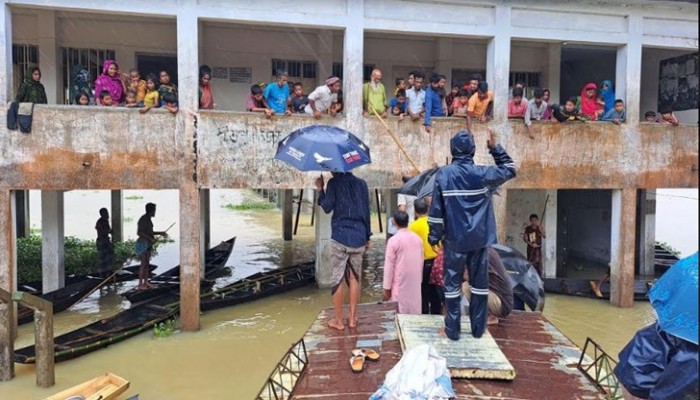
{"points": [[524, 279], [415, 185]]}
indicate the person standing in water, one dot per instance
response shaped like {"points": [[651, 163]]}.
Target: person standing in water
{"points": [[105, 247], [144, 243]]}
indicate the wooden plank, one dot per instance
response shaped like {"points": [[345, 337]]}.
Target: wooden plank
{"points": [[467, 357]]}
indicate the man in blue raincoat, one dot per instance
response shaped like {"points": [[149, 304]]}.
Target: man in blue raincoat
{"points": [[461, 218]]}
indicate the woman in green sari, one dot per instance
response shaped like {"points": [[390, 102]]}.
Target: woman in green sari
{"points": [[31, 90]]}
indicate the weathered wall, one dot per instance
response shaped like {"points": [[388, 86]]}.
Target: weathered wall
{"points": [[124, 149], [74, 147], [522, 203]]}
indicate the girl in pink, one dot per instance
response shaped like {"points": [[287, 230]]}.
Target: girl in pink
{"points": [[516, 105], [460, 104], [111, 81], [403, 267], [589, 102]]}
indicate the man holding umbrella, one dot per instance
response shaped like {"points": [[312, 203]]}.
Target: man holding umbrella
{"points": [[461, 217]]}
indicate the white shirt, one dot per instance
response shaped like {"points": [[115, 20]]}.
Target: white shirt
{"points": [[415, 100], [534, 112], [323, 99], [403, 200]]}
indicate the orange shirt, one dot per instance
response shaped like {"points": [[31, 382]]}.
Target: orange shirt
{"points": [[478, 107]]}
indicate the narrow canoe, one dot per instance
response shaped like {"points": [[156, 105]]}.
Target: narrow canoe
{"points": [[106, 387]]}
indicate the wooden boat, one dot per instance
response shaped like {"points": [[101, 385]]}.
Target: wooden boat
{"points": [[259, 285], [168, 281], [105, 332], [106, 387], [125, 274], [67, 296], [582, 288]]}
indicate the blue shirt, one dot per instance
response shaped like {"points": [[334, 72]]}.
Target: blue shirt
{"points": [[612, 114], [347, 197], [394, 103], [277, 96], [433, 105]]}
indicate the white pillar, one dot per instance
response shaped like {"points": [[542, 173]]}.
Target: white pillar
{"points": [[444, 59], [52, 241], [49, 56], [117, 215], [353, 61], [324, 276], [498, 62], [553, 72], [549, 247], [646, 240], [325, 56], [5, 58], [628, 72]]}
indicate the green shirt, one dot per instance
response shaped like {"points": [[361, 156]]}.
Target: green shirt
{"points": [[374, 96]]}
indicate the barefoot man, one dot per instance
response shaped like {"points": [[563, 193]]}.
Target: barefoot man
{"points": [[347, 197], [461, 217], [144, 243]]}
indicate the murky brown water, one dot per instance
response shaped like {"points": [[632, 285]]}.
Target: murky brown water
{"points": [[237, 347]]}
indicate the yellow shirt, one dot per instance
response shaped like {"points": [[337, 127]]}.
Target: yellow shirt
{"points": [[477, 107], [151, 99], [420, 227]]}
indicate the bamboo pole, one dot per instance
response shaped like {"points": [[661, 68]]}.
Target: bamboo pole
{"points": [[396, 139]]}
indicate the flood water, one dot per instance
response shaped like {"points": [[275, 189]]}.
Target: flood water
{"points": [[236, 348]]}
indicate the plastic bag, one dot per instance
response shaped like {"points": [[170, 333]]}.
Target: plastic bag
{"points": [[421, 374]]}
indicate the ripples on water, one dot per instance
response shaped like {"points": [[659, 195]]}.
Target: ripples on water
{"points": [[238, 347]]}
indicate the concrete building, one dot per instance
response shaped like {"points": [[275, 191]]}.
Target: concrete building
{"points": [[646, 47]]}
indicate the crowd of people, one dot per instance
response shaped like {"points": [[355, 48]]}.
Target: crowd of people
{"points": [[413, 97]]}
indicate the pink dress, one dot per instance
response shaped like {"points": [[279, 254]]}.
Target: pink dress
{"points": [[403, 270]]}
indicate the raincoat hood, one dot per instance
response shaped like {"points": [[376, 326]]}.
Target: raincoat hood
{"points": [[462, 146], [609, 84]]}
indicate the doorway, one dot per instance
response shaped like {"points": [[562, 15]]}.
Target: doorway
{"points": [[153, 64]]}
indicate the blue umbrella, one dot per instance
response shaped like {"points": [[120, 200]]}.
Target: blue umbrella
{"points": [[675, 298], [323, 148]]}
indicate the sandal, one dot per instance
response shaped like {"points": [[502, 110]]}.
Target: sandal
{"points": [[357, 363], [369, 354]]}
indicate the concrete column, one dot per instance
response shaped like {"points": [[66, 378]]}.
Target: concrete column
{"points": [[444, 59], [53, 271], [553, 72], [646, 231], [498, 62], [191, 256], [500, 209], [49, 56], [5, 58], [628, 72], [622, 240], [549, 247], [205, 217], [116, 215], [325, 55], [22, 220], [323, 249], [287, 214], [353, 57], [8, 281], [390, 199]]}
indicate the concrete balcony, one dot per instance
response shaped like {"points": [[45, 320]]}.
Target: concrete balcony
{"points": [[99, 148]]}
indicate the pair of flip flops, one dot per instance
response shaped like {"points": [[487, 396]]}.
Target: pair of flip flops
{"points": [[359, 356]]}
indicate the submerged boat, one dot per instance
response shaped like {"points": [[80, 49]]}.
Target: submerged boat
{"points": [[106, 387], [67, 296], [215, 266], [142, 317]]}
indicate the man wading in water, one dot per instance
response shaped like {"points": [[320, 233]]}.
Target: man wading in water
{"points": [[144, 244], [461, 218], [104, 245]]}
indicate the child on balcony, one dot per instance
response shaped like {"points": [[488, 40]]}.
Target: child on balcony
{"points": [[516, 106], [650, 117], [297, 102], [460, 105], [151, 99], [166, 88], [400, 85], [255, 102], [617, 113], [454, 93], [82, 99], [398, 104], [105, 99], [130, 100], [668, 117], [567, 112], [136, 84]]}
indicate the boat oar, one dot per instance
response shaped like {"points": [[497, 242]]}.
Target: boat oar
{"points": [[396, 139]]}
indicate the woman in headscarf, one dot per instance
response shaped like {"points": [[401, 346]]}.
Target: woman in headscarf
{"points": [[607, 93], [589, 103], [110, 80], [31, 90], [206, 97]]}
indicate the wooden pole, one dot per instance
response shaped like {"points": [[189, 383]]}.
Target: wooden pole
{"points": [[7, 347], [287, 209], [43, 336], [379, 210], [396, 140], [296, 221], [313, 209]]}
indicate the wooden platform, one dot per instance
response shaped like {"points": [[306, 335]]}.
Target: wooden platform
{"points": [[545, 360], [467, 358]]}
